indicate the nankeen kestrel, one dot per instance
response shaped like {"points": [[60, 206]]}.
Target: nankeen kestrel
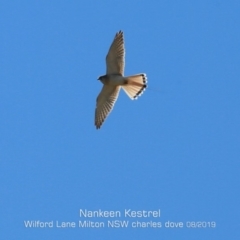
{"points": [[114, 79]]}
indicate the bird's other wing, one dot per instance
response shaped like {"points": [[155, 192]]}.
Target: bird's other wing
{"points": [[115, 58], [105, 102]]}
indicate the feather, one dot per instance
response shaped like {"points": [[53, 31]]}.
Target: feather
{"points": [[135, 85]]}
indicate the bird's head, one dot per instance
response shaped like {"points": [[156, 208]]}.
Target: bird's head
{"points": [[101, 78]]}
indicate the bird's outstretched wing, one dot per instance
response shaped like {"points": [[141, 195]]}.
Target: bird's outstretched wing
{"points": [[115, 58], [105, 102]]}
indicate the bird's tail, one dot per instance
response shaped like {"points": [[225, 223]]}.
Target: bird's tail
{"points": [[135, 85]]}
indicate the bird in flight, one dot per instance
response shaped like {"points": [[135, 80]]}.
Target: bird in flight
{"points": [[114, 80]]}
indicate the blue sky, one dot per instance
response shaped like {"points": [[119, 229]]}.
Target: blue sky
{"points": [[175, 149]]}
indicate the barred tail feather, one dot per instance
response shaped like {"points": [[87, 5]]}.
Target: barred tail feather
{"points": [[135, 85]]}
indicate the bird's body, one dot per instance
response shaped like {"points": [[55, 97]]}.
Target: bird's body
{"points": [[114, 80]]}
